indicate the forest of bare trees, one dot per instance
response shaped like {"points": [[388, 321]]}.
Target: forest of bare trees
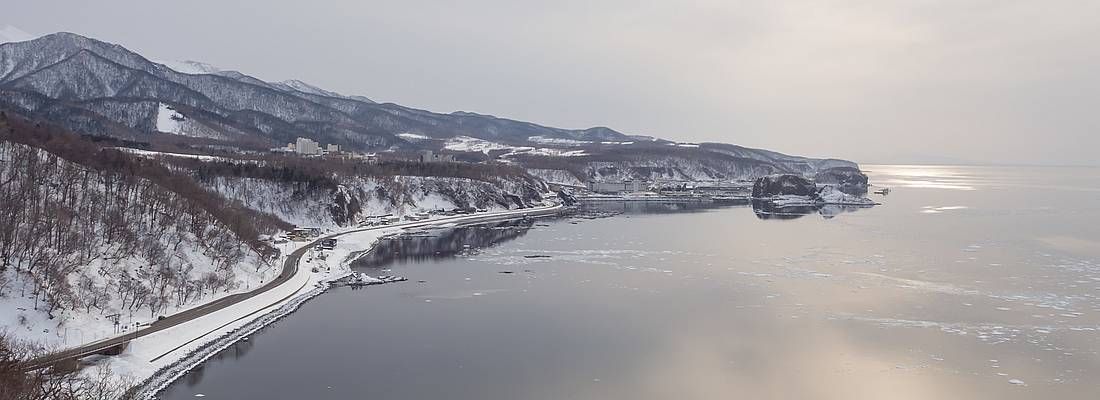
{"points": [[85, 227], [322, 173]]}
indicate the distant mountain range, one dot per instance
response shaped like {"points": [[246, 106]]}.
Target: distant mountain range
{"points": [[99, 88]]}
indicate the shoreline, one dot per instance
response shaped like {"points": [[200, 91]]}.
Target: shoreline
{"points": [[160, 379]]}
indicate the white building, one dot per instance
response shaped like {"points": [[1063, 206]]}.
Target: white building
{"points": [[332, 148], [306, 146]]}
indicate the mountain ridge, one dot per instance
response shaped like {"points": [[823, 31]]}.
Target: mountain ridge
{"points": [[88, 85]]}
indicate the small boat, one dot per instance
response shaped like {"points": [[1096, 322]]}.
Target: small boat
{"points": [[883, 191]]}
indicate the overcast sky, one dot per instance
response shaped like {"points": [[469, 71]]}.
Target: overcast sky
{"points": [[997, 81]]}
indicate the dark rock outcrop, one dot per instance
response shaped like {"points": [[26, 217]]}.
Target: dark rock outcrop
{"points": [[848, 179], [567, 198], [783, 184], [345, 207]]}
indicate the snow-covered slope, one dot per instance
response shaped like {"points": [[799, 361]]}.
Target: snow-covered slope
{"points": [[192, 67], [676, 168], [413, 137], [471, 144], [109, 244], [357, 197], [558, 141], [303, 87], [558, 176], [830, 194], [169, 120], [475, 145]]}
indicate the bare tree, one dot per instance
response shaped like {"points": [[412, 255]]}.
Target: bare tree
{"points": [[51, 383]]}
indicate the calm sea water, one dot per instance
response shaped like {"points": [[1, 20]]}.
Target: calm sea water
{"points": [[968, 282]]}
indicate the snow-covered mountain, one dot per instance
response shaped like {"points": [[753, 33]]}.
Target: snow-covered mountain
{"points": [[70, 79], [99, 88]]}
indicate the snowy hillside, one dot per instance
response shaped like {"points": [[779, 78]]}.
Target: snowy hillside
{"points": [[413, 137], [192, 67], [357, 197], [475, 145], [654, 163], [668, 169], [471, 144], [303, 87], [558, 176], [169, 120], [82, 244]]}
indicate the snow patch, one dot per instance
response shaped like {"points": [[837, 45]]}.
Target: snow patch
{"points": [[192, 67], [553, 152], [307, 88], [154, 154], [472, 144], [558, 176], [558, 141], [169, 120], [791, 200], [832, 195], [413, 137]]}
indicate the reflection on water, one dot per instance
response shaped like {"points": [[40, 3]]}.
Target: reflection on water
{"points": [[235, 351], [940, 209], [767, 211], [970, 178], [440, 243], [925, 176], [990, 293], [649, 207], [762, 210]]}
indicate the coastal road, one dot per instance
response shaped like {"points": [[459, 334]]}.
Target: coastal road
{"points": [[290, 269]]}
